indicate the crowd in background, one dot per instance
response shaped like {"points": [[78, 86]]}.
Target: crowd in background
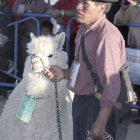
{"points": [[61, 10]]}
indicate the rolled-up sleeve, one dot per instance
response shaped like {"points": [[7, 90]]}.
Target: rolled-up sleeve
{"points": [[108, 63]]}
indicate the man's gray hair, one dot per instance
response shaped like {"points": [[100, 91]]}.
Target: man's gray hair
{"points": [[108, 6]]}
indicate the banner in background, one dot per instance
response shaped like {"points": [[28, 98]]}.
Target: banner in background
{"points": [[133, 61]]}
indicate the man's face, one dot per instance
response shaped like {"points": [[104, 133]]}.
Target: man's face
{"points": [[88, 12]]}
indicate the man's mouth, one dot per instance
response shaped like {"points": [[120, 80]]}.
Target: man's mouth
{"points": [[78, 14]]}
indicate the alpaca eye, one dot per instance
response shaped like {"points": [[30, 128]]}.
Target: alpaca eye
{"points": [[50, 55]]}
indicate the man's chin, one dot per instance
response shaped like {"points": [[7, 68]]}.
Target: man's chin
{"points": [[79, 20]]}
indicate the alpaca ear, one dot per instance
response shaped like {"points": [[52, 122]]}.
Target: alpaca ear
{"points": [[32, 36], [61, 39]]}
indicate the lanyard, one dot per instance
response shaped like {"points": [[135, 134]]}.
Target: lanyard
{"points": [[79, 48]]}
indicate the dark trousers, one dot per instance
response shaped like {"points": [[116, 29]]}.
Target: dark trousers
{"points": [[85, 111]]}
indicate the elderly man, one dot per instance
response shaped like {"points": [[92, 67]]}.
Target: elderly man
{"points": [[105, 48]]}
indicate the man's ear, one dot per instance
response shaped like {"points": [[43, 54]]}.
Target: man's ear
{"points": [[61, 39], [102, 8], [32, 36]]}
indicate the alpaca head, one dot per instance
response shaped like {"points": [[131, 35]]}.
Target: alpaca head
{"points": [[46, 50]]}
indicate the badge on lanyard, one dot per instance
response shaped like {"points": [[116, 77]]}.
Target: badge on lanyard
{"points": [[74, 73], [26, 108]]}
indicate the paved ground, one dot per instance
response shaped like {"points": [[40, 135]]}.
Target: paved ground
{"points": [[125, 131], [2, 103]]}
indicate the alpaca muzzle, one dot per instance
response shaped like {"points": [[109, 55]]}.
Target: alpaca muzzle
{"points": [[38, 64]]}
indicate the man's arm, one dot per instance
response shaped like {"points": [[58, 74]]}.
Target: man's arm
{"points": [[109, 58], [98, 127]]}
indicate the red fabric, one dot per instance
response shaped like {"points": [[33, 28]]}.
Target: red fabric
{"points": [[11, 2], [71, 4]]}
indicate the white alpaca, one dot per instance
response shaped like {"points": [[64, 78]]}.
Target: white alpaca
{"points": [[43, 124]]}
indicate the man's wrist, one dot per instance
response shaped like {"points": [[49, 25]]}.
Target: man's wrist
{"points": [[66, 73]]}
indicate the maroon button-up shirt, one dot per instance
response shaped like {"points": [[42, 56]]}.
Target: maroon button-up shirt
{"points": [[105, 48]]}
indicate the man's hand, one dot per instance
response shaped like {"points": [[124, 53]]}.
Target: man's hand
{"points": [[54, 73], [98, 131], [98, 128]]}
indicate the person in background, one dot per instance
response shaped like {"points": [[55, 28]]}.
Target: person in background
{"points": [[5, 18], [46, 28], [105, 48], [30, 6], [25, 28], [110, 16], [130, 12], [62, 11], [6, 44], [11, 2], [6, 40], [114, 9]]}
